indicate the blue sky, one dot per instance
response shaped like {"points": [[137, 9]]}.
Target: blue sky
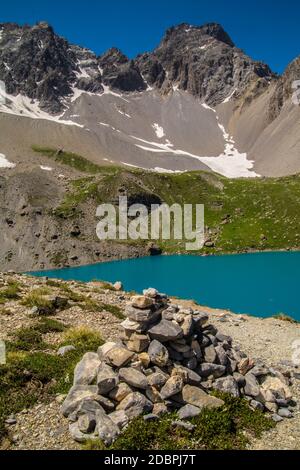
{"points": [[267, 30]]}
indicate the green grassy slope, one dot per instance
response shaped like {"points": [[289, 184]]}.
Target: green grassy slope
{"points": [[240, 214]]}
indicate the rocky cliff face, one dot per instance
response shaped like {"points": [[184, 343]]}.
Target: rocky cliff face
{"points": [[203, 61], [284, 88], [39, 64]]}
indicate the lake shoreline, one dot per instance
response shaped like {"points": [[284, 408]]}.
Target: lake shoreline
{"points": [[188, 253]]}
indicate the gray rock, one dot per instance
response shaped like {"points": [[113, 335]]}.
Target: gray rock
{"points": [[79, 436], [173, 386], [76, 395], [183, 425], [259, 371], [188, 326], [197, 397], [240, 379], [277, 418], [153, 395], [135, 404], [106, 429], [141, 302], [205, 370], [284, 413], [86, 406], [222, 357], [158, 354], [87, 423], [137, 315], [159, 409], [151, 417], [65, 350], [138, 343], [119, 356], [120, 392], [107, 379], [256, 405], [120, 418], [86, 370], [157, 380], [105, 348], [252, 387], [188, 411], [227, 385], [106, 404], [192, 377], [166, 331], [133, 377], [152, 293], [223, 338], [210, 354], [200, 319], [191, 363]]}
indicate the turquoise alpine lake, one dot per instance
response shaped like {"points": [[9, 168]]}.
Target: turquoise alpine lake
{"points": [[260, 284]]}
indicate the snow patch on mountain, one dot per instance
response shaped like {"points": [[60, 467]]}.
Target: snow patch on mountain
{"points": [[159, 131], [23, 106], [4, 163]]}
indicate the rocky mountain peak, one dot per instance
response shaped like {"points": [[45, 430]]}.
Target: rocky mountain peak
{"points": [[202, 60]]}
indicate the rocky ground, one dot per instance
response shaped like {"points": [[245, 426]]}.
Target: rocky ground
{"points": [[43, 427]]}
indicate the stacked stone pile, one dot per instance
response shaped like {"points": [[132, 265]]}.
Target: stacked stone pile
{"points": [[169, 358]]}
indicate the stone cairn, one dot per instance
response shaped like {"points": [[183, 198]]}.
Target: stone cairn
{"points": [[169, 359]]}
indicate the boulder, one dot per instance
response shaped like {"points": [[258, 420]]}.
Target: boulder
{"points": [[87, 406], [159, 409], [76, 395], [189, 411], [158, 354], [207, 369], [133, 377], [138, 315], [153, 395], [103, 350], [187, 325], [227, 385], [79, 436], [87, 423], [120, 418], [119, 357], [135, 404], [245, 365], [120, 392], [210, 354], [198, 398], [157, 380], [252, 388], [141, 301], [118, 286], [152, 293], [276, 385], [173, 386], [86, 370], [106, 429], [138, 343], [107, 379], [166, 331]]}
